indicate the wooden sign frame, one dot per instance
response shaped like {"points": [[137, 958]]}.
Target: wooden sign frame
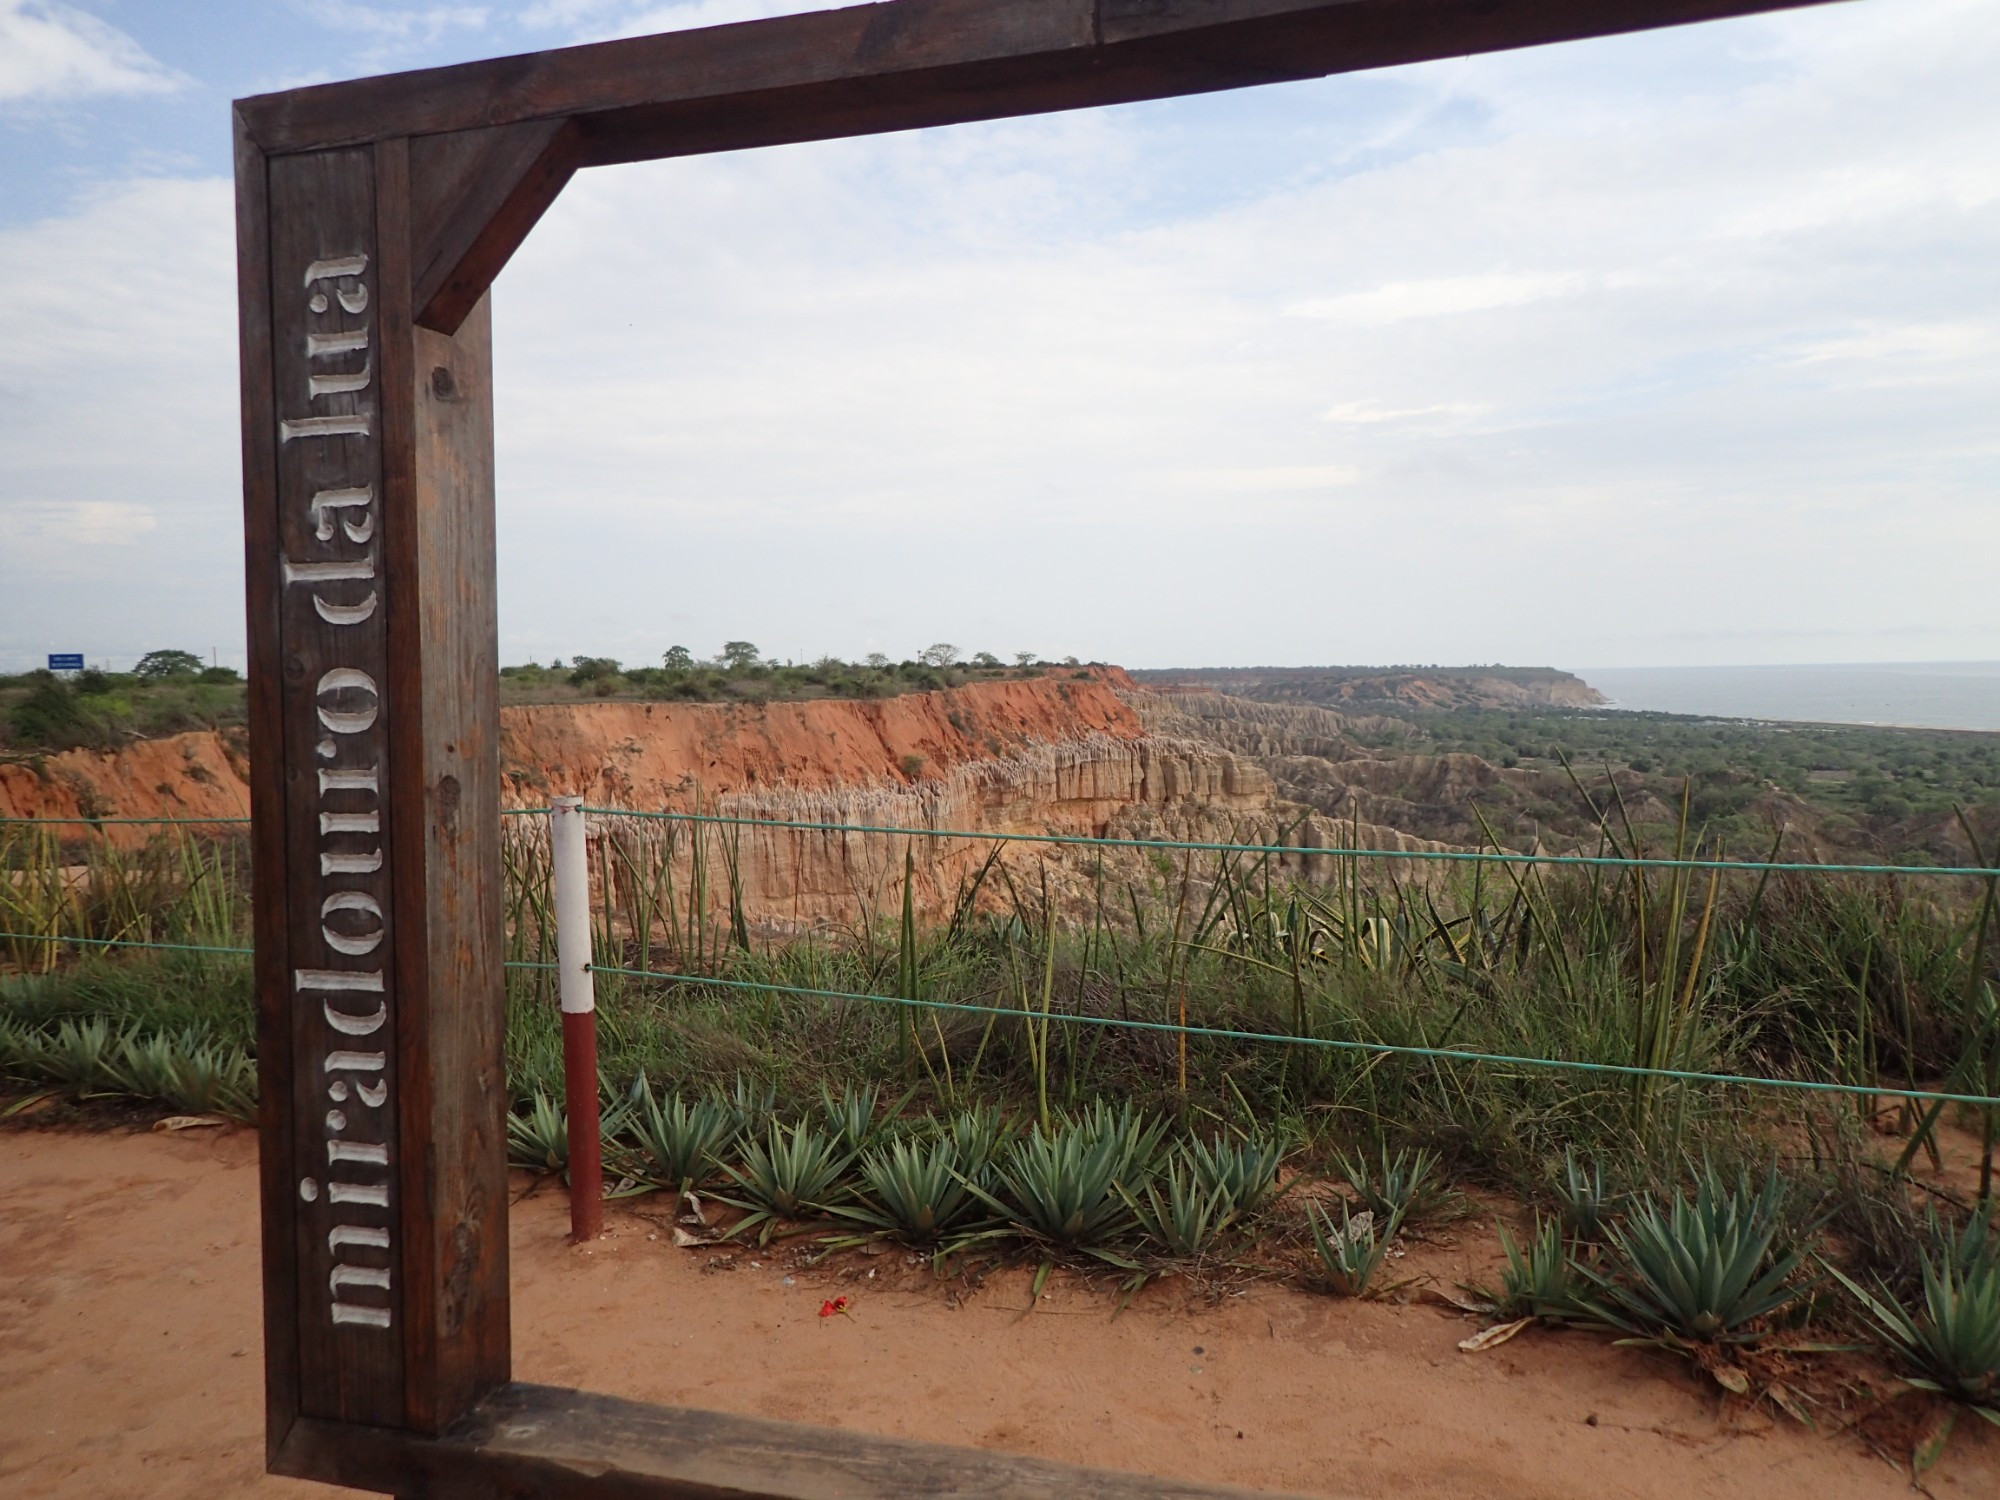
{"points": [[372, 217]]}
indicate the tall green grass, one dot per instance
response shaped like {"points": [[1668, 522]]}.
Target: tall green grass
{"points": [[1872, 983]]}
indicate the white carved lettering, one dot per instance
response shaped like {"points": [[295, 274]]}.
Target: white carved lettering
{"points": [[347, 702], [346, 721], [359, 1276], [368, 980], [342, 942], [326, 502], [337, 266], [348, 1025], [345, 614], [312, 427], [327, 572], [321, 345], [338, 385]]}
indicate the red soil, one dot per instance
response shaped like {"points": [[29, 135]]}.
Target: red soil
{"points": [[645, 755], [130, 1366]]}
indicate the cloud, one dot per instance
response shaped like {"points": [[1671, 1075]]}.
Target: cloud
{"points": [[1439, 297], [1548, 356], [60, 528], [382, 35], [51, 52], [1367, 413], [596, 20], [119, 483]]}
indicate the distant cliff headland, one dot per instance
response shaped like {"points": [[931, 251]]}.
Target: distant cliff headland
{"points": [[1387, 689]]}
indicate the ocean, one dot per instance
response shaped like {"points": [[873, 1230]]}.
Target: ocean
{"points": [[1923, 694]]}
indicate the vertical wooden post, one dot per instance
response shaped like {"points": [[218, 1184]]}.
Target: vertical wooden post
{"points": [[369, 529]]}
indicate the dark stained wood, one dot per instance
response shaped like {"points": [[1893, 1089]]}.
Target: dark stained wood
{"points": [[454, 1041], [921, 58], [552, 1444], [474, 196], [322, 209], [267, 795]]}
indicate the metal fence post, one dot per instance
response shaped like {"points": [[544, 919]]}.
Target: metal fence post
{"points": [[571, 864]]}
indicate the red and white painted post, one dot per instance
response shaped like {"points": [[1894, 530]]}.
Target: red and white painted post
{"points": [[571, 864]]}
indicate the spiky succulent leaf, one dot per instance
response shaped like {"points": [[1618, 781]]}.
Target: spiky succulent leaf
{"points": [[681, 1142], [1352, 1251], [1700, 1270], [914, 1191]]}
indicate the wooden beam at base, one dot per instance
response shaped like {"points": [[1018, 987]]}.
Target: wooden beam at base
{"points": [[554, 1444]]}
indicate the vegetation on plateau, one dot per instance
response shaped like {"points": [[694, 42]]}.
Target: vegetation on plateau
{"points": [[171, 692], [739, 673]]}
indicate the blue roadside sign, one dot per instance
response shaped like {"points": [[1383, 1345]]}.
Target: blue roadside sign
{"points": [[65, 661]]}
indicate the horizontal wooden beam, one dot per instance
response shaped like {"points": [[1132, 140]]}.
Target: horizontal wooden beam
{"points": [[910, 63], [557, 1444]]}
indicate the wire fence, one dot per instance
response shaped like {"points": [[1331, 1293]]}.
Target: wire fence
{"points": [[1988, 874]]}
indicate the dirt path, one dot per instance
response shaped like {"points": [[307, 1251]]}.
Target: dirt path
{"points": [[129, 1362]]}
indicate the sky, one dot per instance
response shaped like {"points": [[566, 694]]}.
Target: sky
{"points": [[1674, 349]]}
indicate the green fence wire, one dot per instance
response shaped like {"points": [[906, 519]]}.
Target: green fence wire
{"points": [[1198, 846], [1449, 856], [1443, 1054], [1218, 1033]]}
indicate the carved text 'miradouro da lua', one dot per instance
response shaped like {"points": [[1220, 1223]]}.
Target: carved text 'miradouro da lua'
{"points": [[348, 994]]}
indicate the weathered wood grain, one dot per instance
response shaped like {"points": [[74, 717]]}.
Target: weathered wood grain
{"points": [[455, 1090], [279, 1219], [553, 1444], [474, 195], [322, 207], [930, 62]]}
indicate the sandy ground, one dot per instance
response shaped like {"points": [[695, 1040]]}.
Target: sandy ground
{"points": [[129, 1361]]}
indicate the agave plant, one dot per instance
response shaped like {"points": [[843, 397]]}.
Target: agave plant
{"points": [[853, 1117], [1352, 1251], [1952, 1339], [1124, 1131], [144, 1066], [785, 1175], [680, 1141], [977, 1135], [1539, 1281], [212, 1077], [1245, 1171], [752, 1105], [539, 1140], [1587, 1206], [913, 1190], [1701, 1270], [1403, 1187], [78, 1056], [1190, 1215], [1065, 1189]]}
